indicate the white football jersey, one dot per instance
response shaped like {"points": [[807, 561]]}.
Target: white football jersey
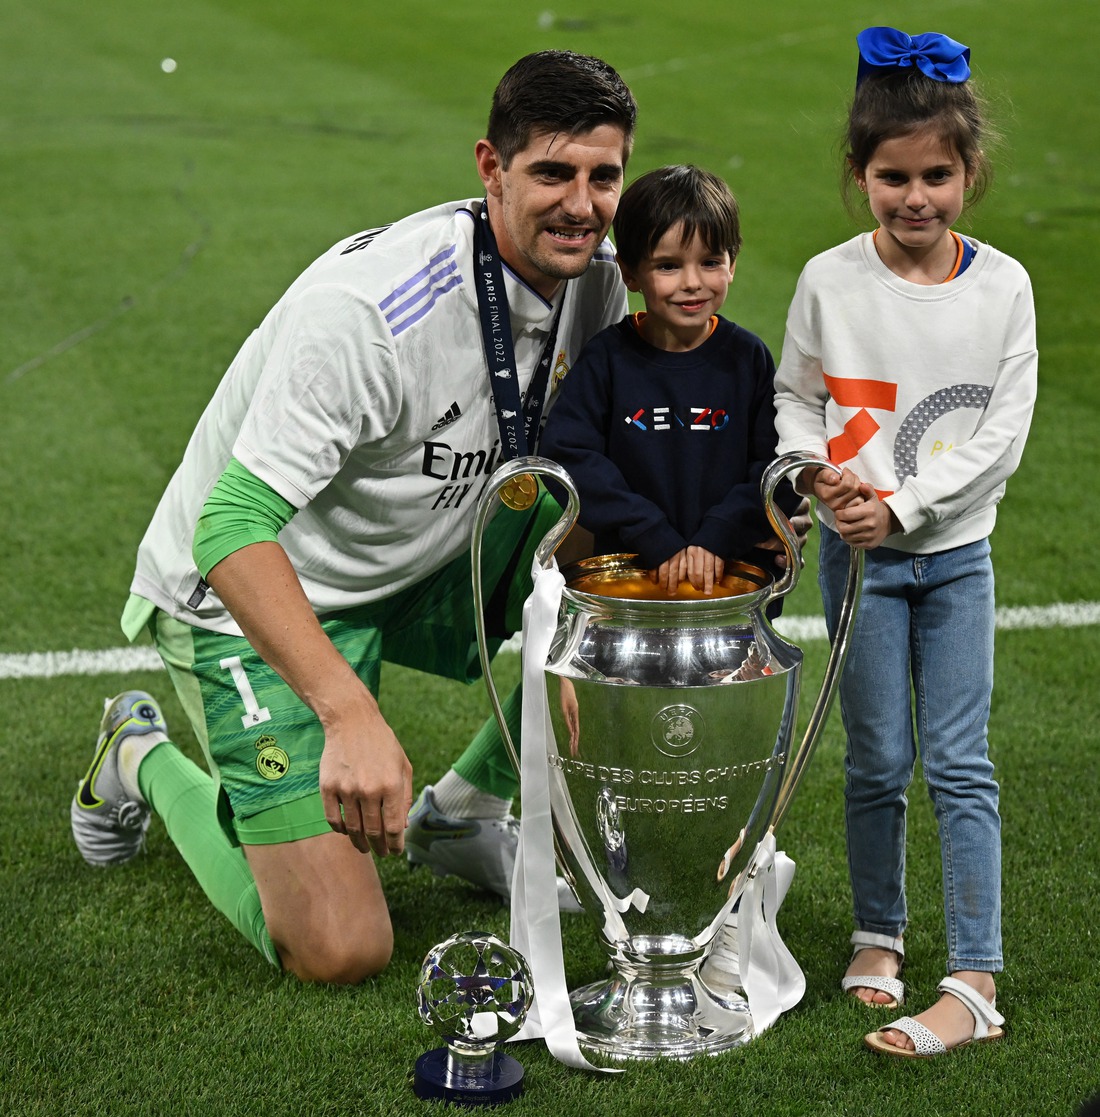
{"points": [[363, 400]]}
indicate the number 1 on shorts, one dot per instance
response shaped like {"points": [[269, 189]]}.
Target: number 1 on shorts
{"points": [[254, 714]]}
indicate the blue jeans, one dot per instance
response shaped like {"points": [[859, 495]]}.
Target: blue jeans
{"points": [[923, 644]]}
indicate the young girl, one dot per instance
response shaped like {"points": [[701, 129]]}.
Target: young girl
{"points": [[910, 360]]}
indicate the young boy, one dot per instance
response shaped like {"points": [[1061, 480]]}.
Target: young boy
{"points": [[666, 421]]}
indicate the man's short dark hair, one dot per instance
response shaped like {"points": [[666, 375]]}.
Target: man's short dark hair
{"points": [[695, 199], [557, 91]]}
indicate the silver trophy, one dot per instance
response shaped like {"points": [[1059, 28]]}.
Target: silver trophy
{"points": [[673, 755], [474, 992]]}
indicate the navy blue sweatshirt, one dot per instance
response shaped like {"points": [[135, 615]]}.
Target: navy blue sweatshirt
{"points": [[667, 449]]}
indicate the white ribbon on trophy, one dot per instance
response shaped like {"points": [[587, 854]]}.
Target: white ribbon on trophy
{"points": [[536, 927], [772, 979]]}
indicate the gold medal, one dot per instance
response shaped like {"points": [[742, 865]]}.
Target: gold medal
{"points": [[519, 492]]}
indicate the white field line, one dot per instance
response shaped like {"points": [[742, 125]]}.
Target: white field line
{"points": [[801, 630]]}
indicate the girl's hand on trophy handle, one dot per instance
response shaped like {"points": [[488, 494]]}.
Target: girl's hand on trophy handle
{"points": [[836, 491], [866, 524]]}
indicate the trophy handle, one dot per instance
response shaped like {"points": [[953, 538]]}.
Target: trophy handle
{"points": [[780, 468], [544, 552]]}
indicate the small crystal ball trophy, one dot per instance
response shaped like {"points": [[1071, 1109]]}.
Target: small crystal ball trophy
{"points": [[474, 992]]}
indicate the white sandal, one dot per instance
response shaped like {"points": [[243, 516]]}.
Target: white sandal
{"points": [[893, 987], [987, 1026]]}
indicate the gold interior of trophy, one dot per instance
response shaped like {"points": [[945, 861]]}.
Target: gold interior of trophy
{"points": [[618, 576]]}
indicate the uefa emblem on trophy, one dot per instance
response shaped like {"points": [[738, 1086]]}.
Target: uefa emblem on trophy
{"points": [[669, 758], [474, 992]]}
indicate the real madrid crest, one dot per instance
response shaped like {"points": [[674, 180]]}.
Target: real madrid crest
{"points": [[271, 761]]}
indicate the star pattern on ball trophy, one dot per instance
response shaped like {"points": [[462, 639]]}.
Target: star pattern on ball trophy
{"points": [[474, 992]]}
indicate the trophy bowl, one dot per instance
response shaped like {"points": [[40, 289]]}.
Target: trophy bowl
{"points": [[672, 722]]}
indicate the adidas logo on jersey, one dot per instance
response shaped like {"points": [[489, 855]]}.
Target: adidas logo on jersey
{"points": [[452, 413]]}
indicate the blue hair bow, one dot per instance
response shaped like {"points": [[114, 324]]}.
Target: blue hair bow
{"points": [[935, 55]]}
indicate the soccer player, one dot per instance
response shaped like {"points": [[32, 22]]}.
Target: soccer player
{"points": [[320, 522]]}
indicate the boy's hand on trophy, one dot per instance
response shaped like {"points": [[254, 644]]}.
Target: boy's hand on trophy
{"points": [[801, 524], [671, 572], [704, 569]]}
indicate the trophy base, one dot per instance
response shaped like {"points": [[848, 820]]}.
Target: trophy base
{"points": [[640, 1017], [499, 1081]]}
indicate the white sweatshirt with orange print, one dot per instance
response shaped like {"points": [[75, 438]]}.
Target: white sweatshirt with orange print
{"points": [[925, 392]]}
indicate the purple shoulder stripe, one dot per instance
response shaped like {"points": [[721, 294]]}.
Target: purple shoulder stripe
{"points": [[407, 303]]}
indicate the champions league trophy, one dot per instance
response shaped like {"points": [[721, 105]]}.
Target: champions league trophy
{"points": [[668, 761], [474, 991]]}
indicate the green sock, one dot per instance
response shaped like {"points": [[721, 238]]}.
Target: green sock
{"points": [[485, 762], [184, 797]]}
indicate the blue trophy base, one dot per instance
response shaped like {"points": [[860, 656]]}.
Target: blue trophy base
{"points": [[499, 1081]]}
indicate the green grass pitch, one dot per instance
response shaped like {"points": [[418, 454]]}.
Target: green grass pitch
{"points": [[151, 216]]}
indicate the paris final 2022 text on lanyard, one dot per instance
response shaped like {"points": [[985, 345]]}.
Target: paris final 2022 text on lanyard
{"points": [[518, 423]]}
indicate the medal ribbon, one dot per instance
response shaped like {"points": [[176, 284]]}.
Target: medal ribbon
{"points": [[516, 438]]}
